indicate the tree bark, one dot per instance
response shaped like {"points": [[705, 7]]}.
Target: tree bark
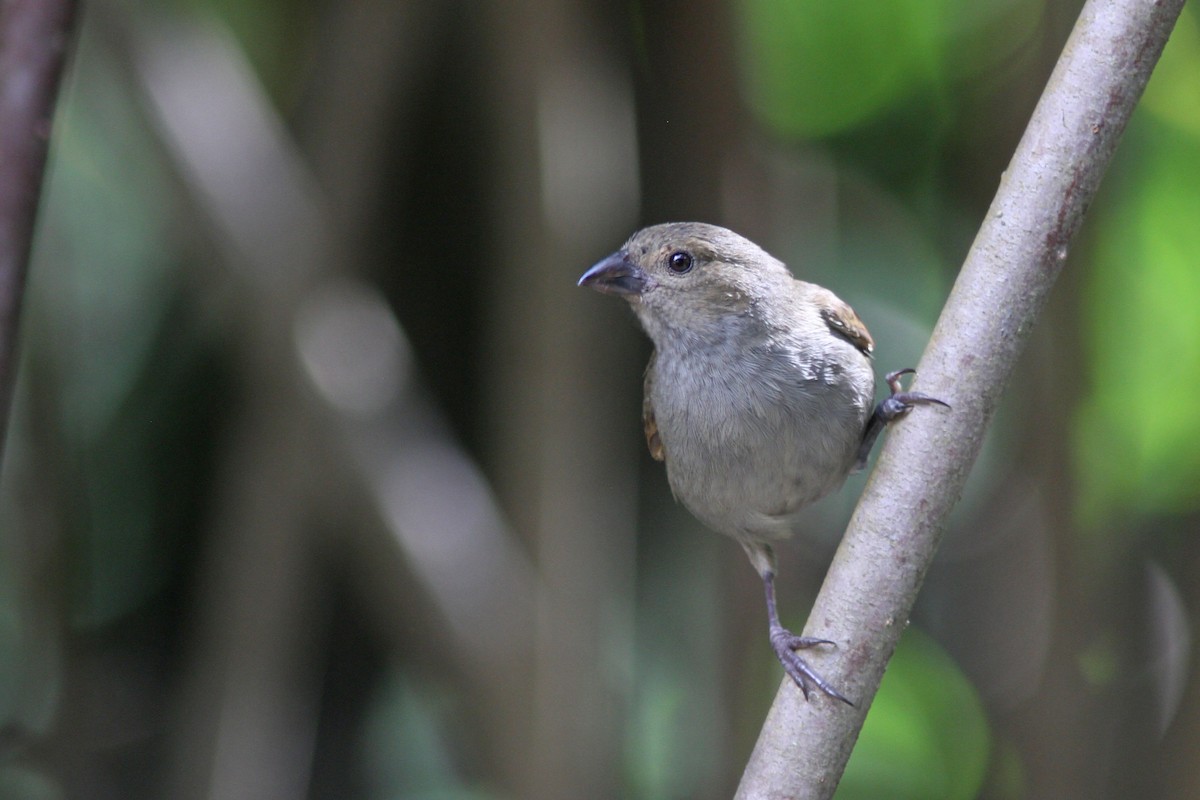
{"points": [[1017, 255]]}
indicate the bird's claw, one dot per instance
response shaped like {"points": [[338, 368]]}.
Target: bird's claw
{"points": [[890, 409], [893, 378], [785, 643], [900, 402]]}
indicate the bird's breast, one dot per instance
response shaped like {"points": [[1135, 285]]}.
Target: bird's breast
{"points": [[753, 436]]}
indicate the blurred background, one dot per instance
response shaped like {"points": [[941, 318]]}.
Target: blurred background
{"points": [[325, 481]]}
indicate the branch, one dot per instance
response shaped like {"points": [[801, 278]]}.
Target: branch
{"points": [[1016, 257], [33, 47]]}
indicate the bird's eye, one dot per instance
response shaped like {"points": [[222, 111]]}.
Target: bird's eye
{"points": [[680, 262]]}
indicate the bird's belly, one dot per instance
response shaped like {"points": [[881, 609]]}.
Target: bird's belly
{"points": [[750, 441], [751, 481]]}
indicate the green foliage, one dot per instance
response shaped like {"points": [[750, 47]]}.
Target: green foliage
{"points": [[20, 783], [274, 34], [30, 664], [405, 748], [926, 736], [1099, 663], [99, 303], [657, 738], [814, 68], [10, 649], [118, 380], [1171, 94], [1136, 432]]}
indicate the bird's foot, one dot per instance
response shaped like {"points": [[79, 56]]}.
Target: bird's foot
{"points": [[785, 643], [900, 402], [890, 409]]}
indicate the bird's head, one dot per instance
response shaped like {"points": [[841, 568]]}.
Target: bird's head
{"points": [[688, 278]]}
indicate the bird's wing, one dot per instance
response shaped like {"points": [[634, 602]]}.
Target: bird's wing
{"points": [[653, 440], [842, 320]]}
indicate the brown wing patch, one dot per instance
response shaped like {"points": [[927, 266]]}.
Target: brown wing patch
{"points": [[842, 320], [653, 440], [649, 425]]}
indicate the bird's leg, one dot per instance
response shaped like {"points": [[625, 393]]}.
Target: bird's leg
{"points": [[891, 408], [785, 643]]}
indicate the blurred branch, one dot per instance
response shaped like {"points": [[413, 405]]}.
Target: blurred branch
{"points": [[315, 436], [255, 183], [564, 187], [1016, 257], [33, 48]]}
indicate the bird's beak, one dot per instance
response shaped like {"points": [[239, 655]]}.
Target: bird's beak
{"points": [[616, 274]]}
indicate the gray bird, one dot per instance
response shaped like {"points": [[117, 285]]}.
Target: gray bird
{"points": [[759, 395]]}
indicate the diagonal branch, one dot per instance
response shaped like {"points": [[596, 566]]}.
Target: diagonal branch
{"points": [[34, 35], [1015, 259]]}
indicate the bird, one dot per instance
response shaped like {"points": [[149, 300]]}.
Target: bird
{"points": [[759, 393]]}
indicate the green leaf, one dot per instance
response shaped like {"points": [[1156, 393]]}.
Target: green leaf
{"points": [[813, 68], [926, 735], [1171, 94], [1135, 432], [22, 783]]}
